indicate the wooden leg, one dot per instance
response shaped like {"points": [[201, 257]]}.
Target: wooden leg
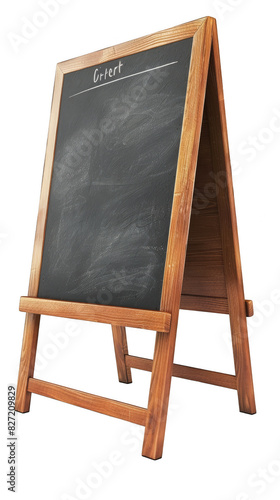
{"points": [[243, 370], [159, 394], [120, 344], [228, 226], [176, 251], [27, 361]]}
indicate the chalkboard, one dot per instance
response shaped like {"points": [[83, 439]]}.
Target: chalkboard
{"points": [[113, 179]]}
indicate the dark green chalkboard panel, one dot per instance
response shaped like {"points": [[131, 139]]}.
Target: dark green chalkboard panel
{"points": [[113, 179]]}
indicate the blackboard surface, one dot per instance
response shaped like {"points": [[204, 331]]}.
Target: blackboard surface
{"points": [[113, 179]]}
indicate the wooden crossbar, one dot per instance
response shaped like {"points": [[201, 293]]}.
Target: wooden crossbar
{"points": [[186, 372], [124, 411], [211, 304], [125, 316]]}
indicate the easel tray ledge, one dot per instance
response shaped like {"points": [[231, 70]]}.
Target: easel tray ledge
{"points": [[125, 316]]}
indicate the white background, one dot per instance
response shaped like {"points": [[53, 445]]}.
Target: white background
{"points": [[211, 450]]}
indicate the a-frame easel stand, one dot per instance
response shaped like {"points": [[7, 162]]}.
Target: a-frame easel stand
{"points": [[202, 269]]}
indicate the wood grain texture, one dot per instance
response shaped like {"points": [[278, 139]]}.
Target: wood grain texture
{"points": [[45, 189], [30, 335], [137, 318], [121, 350], [176, 250], [27, 361], [204, 266], [186, 372], [124, 411], [211, 304], [180, 32], [232, 265], [249, 306]]}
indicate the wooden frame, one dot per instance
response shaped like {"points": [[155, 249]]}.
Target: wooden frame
{"points": [[202, 146]]}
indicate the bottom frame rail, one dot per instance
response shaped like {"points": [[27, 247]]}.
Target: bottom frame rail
{"points": [[124, 411]]}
